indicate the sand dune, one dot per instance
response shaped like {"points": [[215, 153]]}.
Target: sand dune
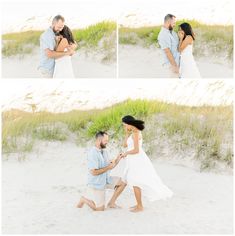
{"points": [[40, 191], [66, 95], [137, 62]]}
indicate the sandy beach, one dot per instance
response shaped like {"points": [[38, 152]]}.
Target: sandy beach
{"points": [[26, 66], [139, 62], [40, 191]]}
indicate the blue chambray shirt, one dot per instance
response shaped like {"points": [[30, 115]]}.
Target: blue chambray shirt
{"points": [[169, 39], [47, 40], [96, 159]]}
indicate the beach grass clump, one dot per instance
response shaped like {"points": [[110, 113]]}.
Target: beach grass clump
{"points": [[110, 118], [91, 35], [20, 43], [206, 130], [49, 132], [145, 36]]}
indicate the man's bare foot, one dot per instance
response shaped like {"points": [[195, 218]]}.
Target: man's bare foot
{"points": [[115, 206], [81, 203], [137, 209]]}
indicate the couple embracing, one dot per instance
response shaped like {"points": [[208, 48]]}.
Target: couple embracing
{"points": [[178, 49], [57, 46], [138, 174]]}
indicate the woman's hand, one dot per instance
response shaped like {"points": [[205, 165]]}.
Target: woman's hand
{"points": [[123, 155], [181, 34], [74, 46], [127, 131], [58, 38]]}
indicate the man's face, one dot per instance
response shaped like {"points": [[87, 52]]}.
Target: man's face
{"points": [[58, 26], [172, 23], [104, 141]]}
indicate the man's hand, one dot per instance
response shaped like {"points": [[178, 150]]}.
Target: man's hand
{"points": [[175, 69], [70, 51]]}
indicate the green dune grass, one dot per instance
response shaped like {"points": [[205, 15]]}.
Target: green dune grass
{"points": [[21, 43], [213, 40], [206, 130]]}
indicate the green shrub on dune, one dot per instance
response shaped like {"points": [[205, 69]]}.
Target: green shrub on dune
{"points": [[91, 35]]}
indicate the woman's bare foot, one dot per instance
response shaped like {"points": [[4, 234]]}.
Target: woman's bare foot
{"points": [[81, 203], [132, 207], [137, 209], [115, 206]]}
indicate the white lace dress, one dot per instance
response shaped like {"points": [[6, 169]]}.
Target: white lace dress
{"points": [[188, 66], [139, 171]]}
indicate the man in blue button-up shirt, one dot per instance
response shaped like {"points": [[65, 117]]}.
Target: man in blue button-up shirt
{"points": [[99, 178], [48, 52], [169, 41]]}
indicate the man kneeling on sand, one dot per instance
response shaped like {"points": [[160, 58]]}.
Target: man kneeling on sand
{"points": [[99, 178]]}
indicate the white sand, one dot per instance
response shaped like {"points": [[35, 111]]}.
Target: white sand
{"points": [[134, 62], [137, 62], [39, 196], [84, 66]]}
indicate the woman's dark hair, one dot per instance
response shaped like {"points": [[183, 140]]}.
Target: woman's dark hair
{"points": [[186, 27], [130, 120], [67, 33]]}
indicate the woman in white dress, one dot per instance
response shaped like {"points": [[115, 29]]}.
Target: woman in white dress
{"points": [[139, 172], [63, 65], [188, 66]]}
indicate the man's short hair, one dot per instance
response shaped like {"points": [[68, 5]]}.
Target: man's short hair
{"points": [[57, 18], [168, 17], [100, 134]]}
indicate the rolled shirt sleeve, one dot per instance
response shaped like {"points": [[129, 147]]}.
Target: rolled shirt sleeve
{"points": [[164, 41], [47, 42]]}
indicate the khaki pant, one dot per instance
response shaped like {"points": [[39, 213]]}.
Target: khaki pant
{"points": [[98, 195]]}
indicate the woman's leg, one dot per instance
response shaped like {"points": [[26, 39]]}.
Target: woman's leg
{"points": [[139, 206]]}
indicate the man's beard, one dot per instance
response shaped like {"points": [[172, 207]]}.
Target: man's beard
{"points": [[170, 28], [56, 31], [103, 145]]}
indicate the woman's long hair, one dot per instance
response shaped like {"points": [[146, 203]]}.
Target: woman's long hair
{"points": [[130, 120], [67, 33], [186, 27]]}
